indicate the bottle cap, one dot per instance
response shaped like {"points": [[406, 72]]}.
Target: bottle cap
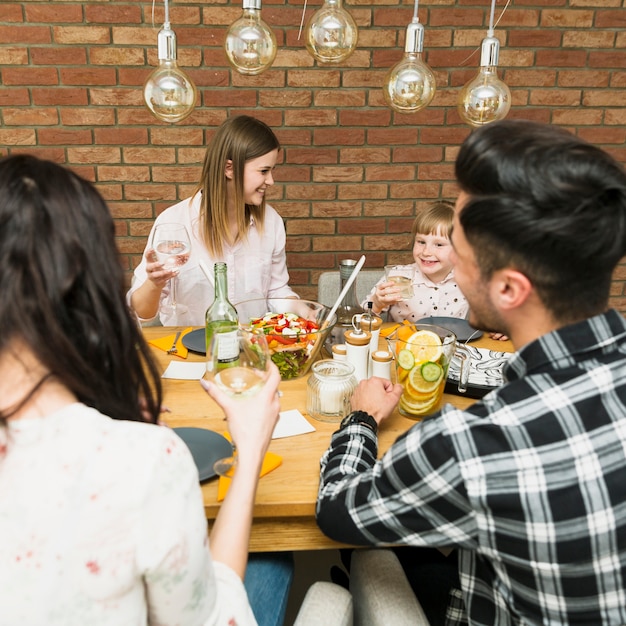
{"points": [[339, 348], [382, 356], [355, 338], [371, 323]]}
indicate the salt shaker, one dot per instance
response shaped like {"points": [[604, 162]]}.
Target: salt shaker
{"points": [[381, 364], [329, 390], [339, 351], [357, 351]]}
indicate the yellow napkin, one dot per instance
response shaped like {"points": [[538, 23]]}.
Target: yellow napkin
{"points": [[270, 462], [385, 332], [165, 343]]}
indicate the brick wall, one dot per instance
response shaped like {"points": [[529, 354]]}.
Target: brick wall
{"points": [[352, 172]]}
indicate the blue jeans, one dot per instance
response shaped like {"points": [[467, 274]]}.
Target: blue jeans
{"points": [[267, 581]]}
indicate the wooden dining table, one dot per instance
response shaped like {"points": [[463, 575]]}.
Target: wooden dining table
{"points": [[284, 510]]}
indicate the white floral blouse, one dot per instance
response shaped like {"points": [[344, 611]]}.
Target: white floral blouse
{"points": [[102, 524]]}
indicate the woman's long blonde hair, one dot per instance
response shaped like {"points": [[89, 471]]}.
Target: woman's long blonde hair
{"points": [[238, 139]]}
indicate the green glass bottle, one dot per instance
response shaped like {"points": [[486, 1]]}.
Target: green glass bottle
{"points": [[221, 317]]}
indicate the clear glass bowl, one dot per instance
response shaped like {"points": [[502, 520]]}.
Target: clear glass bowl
{"points": [[293, 358]]}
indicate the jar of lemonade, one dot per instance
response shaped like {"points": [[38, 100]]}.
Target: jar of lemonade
{"points": [[423, 353]]}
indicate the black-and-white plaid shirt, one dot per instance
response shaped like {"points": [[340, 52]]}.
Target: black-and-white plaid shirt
{"points": [[529, 484]]}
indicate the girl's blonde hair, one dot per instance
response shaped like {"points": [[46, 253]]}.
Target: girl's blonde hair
{"points": [[437, 217], [238, 139]]}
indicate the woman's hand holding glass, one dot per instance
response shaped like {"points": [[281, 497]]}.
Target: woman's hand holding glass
{"points": [[244, 382]]}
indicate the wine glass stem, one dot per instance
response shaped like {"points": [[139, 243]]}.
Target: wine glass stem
{"points": [[173, 290]]}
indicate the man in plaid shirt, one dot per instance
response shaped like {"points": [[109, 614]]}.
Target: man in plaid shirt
{"points": [[528, 484]]}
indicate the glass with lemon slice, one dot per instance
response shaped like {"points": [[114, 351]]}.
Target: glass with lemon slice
{"points": [[423, 353]]}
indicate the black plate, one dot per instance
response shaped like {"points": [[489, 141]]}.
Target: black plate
{"points": [[459, 327], [195, 341], [206, 447]]}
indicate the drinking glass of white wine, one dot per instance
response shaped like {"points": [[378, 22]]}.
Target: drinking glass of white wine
{"points": [[172, 246], [238, 362]]}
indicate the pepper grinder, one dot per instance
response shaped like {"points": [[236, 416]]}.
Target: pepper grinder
{"points": [[358, 350]]}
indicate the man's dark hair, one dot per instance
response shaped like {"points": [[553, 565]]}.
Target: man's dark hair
{"points": [[549, 204]]}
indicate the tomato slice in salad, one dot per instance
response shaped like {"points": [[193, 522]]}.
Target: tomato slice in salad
{"points": [[286, 328]]}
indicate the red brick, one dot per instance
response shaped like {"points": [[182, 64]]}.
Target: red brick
{"points": [[310, 156], [13, 55], [120, 56], [446, 16], [12, 12], [340, 97], [146, 154], [312, 192], [390, 172], [583, 78], [30, 76], [30, 116], [553, 97], [25, 35], [17, 137], [79, 35], [88, 76], [323, 174], [53, 13], [365, 155], [561, 58], [313, 78], [93, 155], [564, 18], [417, 155], [363, 191], [88, 116], [534, 39], [61, 96], [334, 137], [610, 19], [59, 56], [607, 59], [365, 118], [117, 14], [15, 97]]}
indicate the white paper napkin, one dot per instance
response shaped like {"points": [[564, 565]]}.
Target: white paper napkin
{"points": [[184, 371], [291, 423]]}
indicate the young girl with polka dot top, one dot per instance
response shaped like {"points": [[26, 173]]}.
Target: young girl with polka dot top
{"points": [[435, 292]]}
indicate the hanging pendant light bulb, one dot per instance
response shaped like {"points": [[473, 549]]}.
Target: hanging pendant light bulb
{"points": [[331, 33], [410, 84], [485, 98], [250, 43], [169, 93]]}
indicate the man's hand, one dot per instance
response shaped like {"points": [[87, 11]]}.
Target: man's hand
{"points": [[376, 396]]}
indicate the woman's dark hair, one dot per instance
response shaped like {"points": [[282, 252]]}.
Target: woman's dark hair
{"points": [[63, 292], [549, 204]]}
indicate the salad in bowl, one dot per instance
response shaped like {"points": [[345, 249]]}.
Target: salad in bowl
{"points": [[295, 330]]}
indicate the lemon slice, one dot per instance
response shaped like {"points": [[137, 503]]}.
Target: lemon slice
{"points": [[417, 384], [425, 346], [416, 407]]}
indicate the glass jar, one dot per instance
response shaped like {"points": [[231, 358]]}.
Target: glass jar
{"points": [[329, 390]]}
